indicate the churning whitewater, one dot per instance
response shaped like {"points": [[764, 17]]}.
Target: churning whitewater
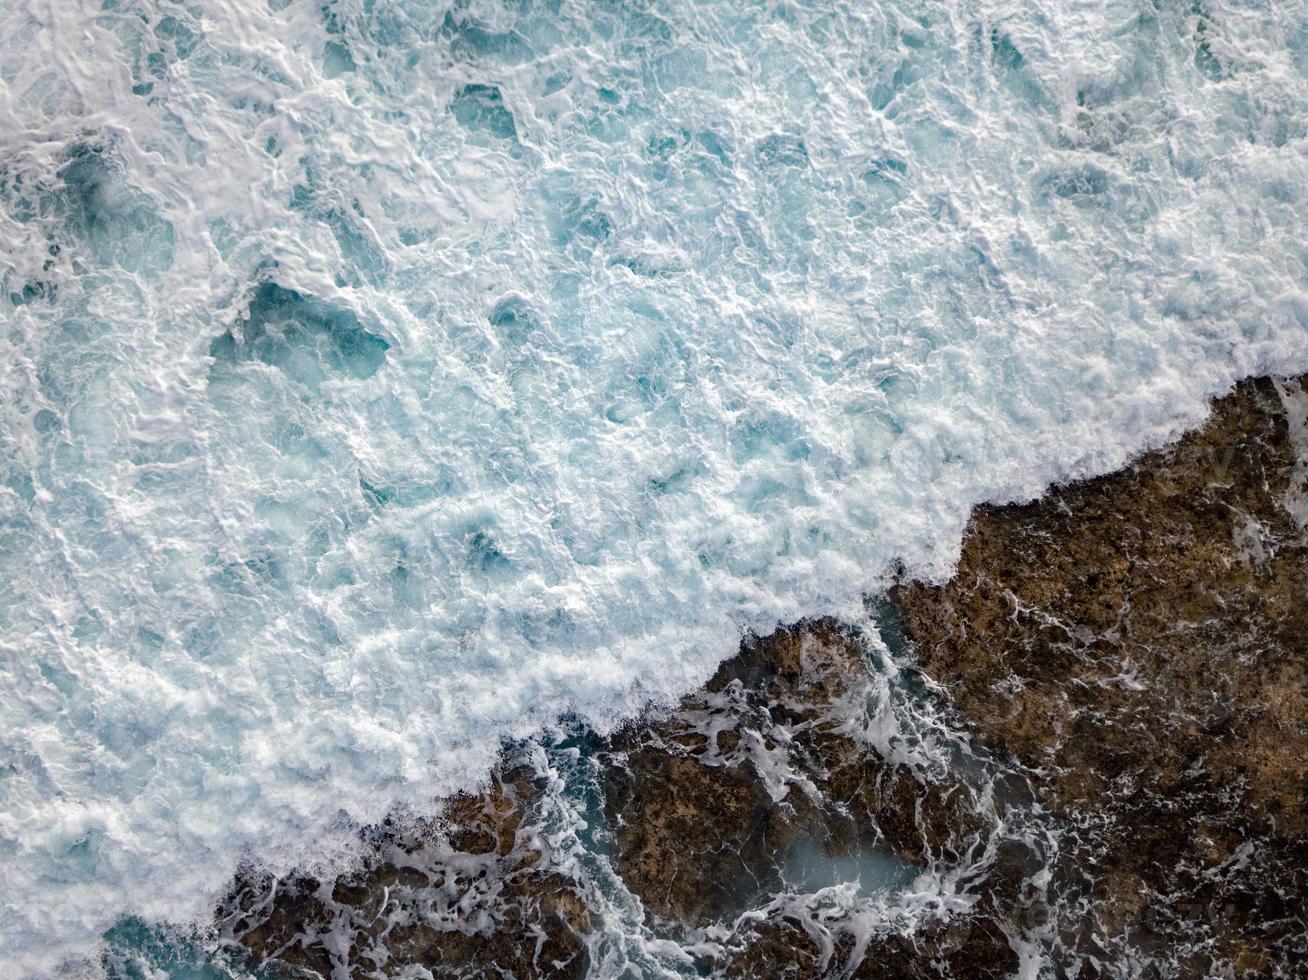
{"points": [[381, 378]]}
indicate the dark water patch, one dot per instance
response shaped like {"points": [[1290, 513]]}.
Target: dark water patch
{"points": [[336, 60], [475, 41], [308, 339], [484, 554], [783, 150], [1013, 72], [138, 950], [715, 145], [112, 220], [1003, 52], [887, 168], [679, 480], [581, 223], [34, 292], [884, 187], [480, 109], [173, 38], [809, 865], [182, 35], [663, 146], [1082, 183], [46, 422], [884, 92], [376, 497], [513, 320], [251, 577], [1206, 59], [365, 258], [662, 150]]}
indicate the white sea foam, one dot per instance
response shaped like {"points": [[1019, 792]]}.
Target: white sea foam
{"points": [[381, 378]]}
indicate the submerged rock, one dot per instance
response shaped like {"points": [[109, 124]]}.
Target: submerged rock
{"points": [[1141, 640]]}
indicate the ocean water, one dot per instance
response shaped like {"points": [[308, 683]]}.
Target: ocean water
{"points": [[380, 379]]}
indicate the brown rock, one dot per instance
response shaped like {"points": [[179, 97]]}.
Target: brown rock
{"points": [[706, 801], [1141, 639], [472, 895], [972, 947]]}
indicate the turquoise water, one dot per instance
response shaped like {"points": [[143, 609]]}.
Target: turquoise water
{"points": [[383, 379]]}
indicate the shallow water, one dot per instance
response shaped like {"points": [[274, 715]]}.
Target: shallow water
{"points": [[382, 379]]}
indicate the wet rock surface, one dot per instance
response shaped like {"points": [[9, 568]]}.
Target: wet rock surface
{"points": [[473, 894], [1141, 639], [778, 750], [707, 802], [969, 946], [1087, 753], [711, 814]]}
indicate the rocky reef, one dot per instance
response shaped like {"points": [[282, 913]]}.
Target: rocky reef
{"points": [[1141, 641], [779, 753], [473, 894], [1085, 755]]}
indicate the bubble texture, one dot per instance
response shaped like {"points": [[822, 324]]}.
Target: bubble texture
{"points": [[380, 379]]}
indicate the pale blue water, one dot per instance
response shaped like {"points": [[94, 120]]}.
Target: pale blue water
{"points": [[382, 378]]}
